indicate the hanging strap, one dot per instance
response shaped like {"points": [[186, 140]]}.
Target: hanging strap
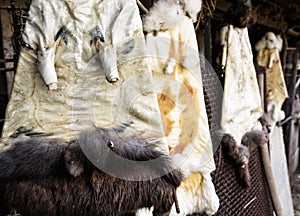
{"points": [[225, 51], [141, 6]]}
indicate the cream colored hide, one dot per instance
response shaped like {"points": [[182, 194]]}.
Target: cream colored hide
{"points": [[80, 64], [268, 56], [276, 92], [175, 64], [241, 99]]}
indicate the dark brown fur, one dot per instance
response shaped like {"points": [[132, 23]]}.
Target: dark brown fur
{"points": [[239, 156], [113, 146], [75, 161], [93, 192], [32, 158], [239, 15], [255, 138]]}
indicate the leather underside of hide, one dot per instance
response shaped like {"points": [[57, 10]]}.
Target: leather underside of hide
{"points": [[275, 86], [181, 102], [84, 98], [241, 99]]}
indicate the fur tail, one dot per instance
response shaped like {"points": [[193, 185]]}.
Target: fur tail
{"points": [[239, 155], [253, 138]]}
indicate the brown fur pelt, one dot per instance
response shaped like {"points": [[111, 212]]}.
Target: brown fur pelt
{"points": [[239, 15], [60, 180], [144, 170], [53, 195], [239, 156], [255, 138], [32, 158]]}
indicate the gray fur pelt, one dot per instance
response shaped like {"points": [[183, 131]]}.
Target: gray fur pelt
{"points": [[32, 158], [49, 185]]}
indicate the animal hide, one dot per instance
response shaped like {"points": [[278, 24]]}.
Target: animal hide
{"points": [[239, 14], [193, 8], [276, 88], [46, 184], [276, 92], [269, 41], [241, 98], [37, 157], [86, 37], [181, 102], [166, 14], [163, 15], [239, 154], [45, 35]]}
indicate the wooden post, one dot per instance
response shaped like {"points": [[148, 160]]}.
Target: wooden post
{"points": [[3, 84], [270, 179], [293, 141]]}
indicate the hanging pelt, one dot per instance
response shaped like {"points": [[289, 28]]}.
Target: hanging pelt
{"points": [[192, 8], [239, 15], [166, 14], [175, 66], [239, 155], [268, 57], [48, 177], [269, 41], [241, 101]]}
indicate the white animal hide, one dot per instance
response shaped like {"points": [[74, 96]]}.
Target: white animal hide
{"points": [[181, 101], [163, 15], [241, 99], [269, 41], [166, 14], [83, 97], [193, 7]]}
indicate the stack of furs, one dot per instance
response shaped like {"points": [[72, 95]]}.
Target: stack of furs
{"points": [[47, 177]]}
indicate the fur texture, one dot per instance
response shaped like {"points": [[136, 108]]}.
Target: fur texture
{"points": [[269, 41], [192, 8], [254, 138], [115, 145], [239, 155], [113, 149], [75, 161], [166, 14], [32, 158], [163, 15], [92, 192], [239, 15]]}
